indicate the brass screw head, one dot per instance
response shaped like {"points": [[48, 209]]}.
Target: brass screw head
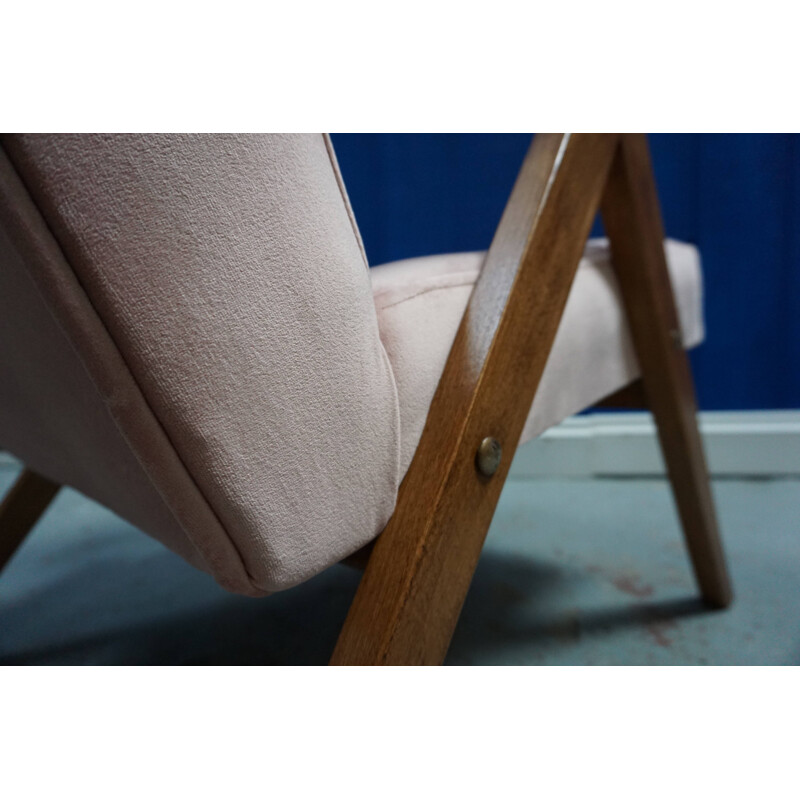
{"points": [[487, 459]]}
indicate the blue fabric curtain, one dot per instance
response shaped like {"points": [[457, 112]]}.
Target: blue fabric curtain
{"points": [[736, 196]]}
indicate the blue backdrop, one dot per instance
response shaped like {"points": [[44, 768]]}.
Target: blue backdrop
{"points": [[736, 196]]}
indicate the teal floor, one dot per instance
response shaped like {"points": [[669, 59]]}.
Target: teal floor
{"points": [[574, 572]]}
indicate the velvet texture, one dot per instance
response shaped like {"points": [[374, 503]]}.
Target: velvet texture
{"points": [[191, 336]]}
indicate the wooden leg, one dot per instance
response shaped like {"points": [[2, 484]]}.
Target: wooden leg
{"points": [[421, 567], [21, 507], [633, 222]]}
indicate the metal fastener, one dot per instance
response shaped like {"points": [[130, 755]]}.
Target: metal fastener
{"points": [[487, 459]]}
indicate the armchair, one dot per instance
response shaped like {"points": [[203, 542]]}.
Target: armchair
{"points": [[191, 336]]}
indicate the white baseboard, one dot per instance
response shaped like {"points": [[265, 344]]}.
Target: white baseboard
{"points": [[737, 443]]}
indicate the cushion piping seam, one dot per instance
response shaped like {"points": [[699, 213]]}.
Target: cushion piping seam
{"points": [[428, 290], [345, 199]]}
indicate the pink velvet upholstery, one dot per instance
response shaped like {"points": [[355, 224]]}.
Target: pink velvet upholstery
{"points": [[190, 335]]}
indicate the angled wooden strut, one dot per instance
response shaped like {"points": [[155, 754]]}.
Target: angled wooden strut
{"points": [[420, 568], [417, 577], [633, 223], [22, 506]]}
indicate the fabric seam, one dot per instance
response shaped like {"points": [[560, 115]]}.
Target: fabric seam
{"points": [[387, 361], [428, 290], [345, 199]]}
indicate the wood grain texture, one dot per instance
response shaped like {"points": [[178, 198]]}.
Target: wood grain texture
{"points": [[22, 506], [418, 574], [633, 223]]}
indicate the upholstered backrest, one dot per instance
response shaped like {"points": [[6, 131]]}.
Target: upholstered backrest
{"points": [[188, 336]]}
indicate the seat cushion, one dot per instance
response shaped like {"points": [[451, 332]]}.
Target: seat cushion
{"points": [[420, 303]]}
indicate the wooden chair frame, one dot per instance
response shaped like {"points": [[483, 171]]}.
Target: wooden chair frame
{"points": [[419, 570]]}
